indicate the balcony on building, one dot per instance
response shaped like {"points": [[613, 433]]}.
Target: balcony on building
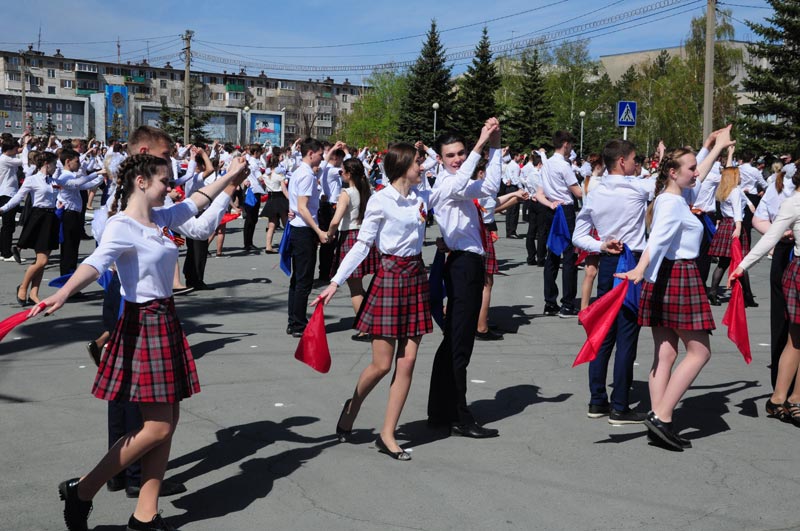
{"points": [[135, 80], [234, 87]]}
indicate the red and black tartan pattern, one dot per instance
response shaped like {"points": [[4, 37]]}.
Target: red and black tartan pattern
{"points": [[791, 290], [677, 299], [721, 243], [398, 300], [346, 240], [489, 255], [147, 358]]}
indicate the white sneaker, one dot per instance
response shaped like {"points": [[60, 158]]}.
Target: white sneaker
{"points": [[9, 259]]}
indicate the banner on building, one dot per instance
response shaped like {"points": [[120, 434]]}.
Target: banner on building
{"points": [[117, 112], [266, 128]]}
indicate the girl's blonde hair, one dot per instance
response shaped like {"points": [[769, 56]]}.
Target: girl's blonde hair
{"points": [[730, 180]]}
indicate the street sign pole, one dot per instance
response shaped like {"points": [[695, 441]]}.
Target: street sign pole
{"points": [[624, 133]]}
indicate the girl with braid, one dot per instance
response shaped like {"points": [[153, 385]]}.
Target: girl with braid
{"points": [[147, 359], [673, 301]]}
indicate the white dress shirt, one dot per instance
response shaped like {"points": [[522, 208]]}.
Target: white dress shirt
{"points": [[771, 203], [255, 175], [71, 186], [676, 233], [751, 179], [616, 208], [734, 205], [557, 177], [788, 218], [511, 177], [451, 200], [395, 224], [331, 183], [304, 183], [40, 187], [9, 185]]}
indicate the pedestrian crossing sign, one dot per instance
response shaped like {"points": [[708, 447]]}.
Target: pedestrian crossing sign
{"points": [[626, 113]]}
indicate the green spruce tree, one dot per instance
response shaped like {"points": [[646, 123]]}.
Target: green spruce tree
{"points": [[428, 83], [772, 120], [475, 99], [529, 124]]}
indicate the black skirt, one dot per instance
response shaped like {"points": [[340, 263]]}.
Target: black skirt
{"points": [[276, 206], [40, 232]]}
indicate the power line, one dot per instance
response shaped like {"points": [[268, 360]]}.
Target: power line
{"points": [[743, 5]]}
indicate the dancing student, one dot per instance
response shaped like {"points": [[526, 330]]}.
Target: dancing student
{"points": [[40, 232], [255, 181], [194, 264], [559, 187], [512, 179], [784, 404], [10, 162], [348, 218], [331, 183], [532, 177], [673, 301], [704, 204], [464, 274], [615, 212], [778, 191], [733, 204], [592, 261], [488, 207], [305, 232], [396, 312], [148, 359], [70, 200], [276, 209]]}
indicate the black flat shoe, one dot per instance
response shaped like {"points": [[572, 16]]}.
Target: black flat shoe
{"points": [[402, 455], [663, 431], [94, 353], [21, 302], [341, 433], [750, 303], [15, 254], [713, 299], [76, 511], [156, 524], [489, 335], [685, 443], [365, 338]]}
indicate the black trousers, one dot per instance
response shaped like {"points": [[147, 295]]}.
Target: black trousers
{"points": [[447, 399], [544, 218], [533, 234], [250, 220], [552, 262], [326, 250], [194, 266], [512, 214], [778, 321], [85, 200], [72, 229], [703, 259], [7, 230], [303, 243]]}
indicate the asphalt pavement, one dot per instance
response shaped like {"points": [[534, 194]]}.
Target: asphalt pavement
{"points": [[256, 448]]}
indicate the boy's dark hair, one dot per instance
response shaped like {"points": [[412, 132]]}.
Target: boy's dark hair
{"points": [[560, 137], [616, 149], [309, 145], [67, 154], [447, 138]]}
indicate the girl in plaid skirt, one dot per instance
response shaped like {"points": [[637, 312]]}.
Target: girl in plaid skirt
{"points": [[732, 204], [148, 359], [673, 300], [781, 404], [347, 220], [396, 312]]}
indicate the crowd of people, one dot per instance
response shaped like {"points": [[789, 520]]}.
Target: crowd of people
{"points": [[352, 213]]}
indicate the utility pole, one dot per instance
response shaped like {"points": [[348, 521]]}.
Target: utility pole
{"points": [[708, 92], [22, 79], [187, 38]]}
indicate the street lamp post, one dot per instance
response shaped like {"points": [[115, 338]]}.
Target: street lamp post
{"points": [[582, 114], [435, 109]]}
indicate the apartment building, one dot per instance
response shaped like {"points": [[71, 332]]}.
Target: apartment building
{"points": [[110, 99]]}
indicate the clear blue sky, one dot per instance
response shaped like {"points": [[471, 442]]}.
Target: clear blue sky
{"points": [[304, 32]]}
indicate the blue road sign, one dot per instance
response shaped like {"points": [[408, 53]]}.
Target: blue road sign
{"points": [[626, 113]]}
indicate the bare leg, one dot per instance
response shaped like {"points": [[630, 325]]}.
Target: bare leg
{"points": [[271, 231], [788, 367], [33, 276], [103, 339], [159, 424], [698, 352], [356, 292], [589, 274], [665, 342], [154, 465], [486, 302], [382, 354], [176, 279], [398, 392]]}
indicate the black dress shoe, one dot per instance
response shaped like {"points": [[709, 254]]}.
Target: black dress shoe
{"points": [[298, 332], [76, 511], [342, 434], [713, 299], [201, 286], [551, 309], [156, 524], [366, 338], [685, 443], [402, 455], [289, 330], [94, 353], [663, 430], [168, 488], [15, 254], [473, 431], [750, 303], [489, 335]]}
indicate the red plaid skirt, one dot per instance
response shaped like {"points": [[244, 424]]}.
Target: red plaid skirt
{"points": [[677, 299], [398, 300], [721, 243], [489, 255], [346, 240], [791, 290], [147, 358]]}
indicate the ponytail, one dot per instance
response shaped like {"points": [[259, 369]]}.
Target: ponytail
{"points": [[359, 181], [779, 181]]}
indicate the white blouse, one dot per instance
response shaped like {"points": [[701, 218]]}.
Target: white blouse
{"points": [[734, 205], [771, 202], [40, 187], [145, 257], [396, 225], [676, 233], [788, 217]]}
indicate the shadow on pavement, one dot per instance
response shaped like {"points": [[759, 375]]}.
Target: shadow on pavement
{"points": [[511, 318], [705, 413]]}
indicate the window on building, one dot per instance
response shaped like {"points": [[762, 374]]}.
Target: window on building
{"points": [[259, 106], [259, 92], [163, 83], [51, 90], [51, 73], [68, 107], [13, 76], [67, 67], [344, 98], [13, 60], [291, 129], [67, 83]]}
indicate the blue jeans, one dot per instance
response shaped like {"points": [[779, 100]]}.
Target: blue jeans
{"points": [[625, 333]]}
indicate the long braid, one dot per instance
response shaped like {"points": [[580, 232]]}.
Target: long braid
{"points": [[132, 167]]}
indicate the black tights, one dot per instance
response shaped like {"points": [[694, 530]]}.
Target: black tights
{"points": [[722, 266]]}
